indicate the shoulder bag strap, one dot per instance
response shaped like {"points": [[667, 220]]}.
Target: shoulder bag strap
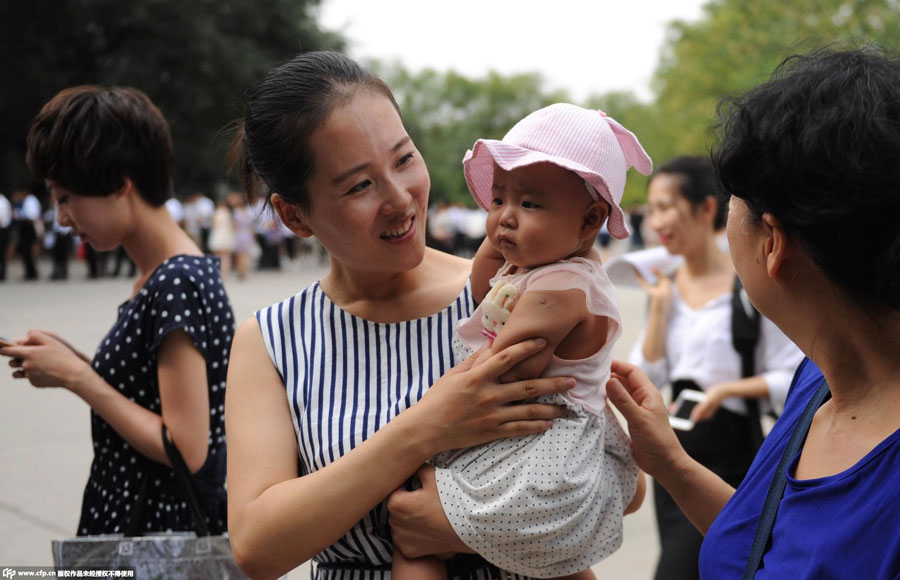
{"points": [[779, 480], [186, 483], [745, 324], [744, 328]]}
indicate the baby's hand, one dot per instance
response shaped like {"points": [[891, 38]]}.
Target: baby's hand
{"points": [[497, 306]]}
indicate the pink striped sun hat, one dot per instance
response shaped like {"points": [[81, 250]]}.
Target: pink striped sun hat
{"points": [[587, 142]]}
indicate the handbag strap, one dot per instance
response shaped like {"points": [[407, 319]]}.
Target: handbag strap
{"points": [[779, 481], [745, 331], [745, 328], [186, 483]]}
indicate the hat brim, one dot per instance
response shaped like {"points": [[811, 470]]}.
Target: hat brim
{"points": [[478, 167]]}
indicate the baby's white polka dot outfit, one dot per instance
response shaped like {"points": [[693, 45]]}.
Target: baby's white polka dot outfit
{"points": [[549, 504]]}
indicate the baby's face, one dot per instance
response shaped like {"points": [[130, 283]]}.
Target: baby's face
{"points": [[537, 214]]}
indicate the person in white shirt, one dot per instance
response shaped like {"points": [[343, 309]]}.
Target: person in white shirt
{"points": [[175, 208], [58, 240], [198, 212], [687, 343], [5, 227], [441, 229], [29, 229]]}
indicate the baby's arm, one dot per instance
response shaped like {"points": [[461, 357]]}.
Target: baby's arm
{"points": [[484, 267], [552, 315]]}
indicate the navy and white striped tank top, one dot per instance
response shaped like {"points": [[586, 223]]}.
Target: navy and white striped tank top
{"points": [[345, 378]]}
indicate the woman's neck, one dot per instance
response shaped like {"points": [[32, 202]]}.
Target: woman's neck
{"points": [[855, 347], [347, 286], [155, 238], [388, 297], [857, 353], [706, 259]]}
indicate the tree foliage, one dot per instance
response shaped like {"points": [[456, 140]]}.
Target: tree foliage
{"points": [[737, 44], [194, 59]]}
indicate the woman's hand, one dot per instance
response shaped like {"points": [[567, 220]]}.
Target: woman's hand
{"points": [[704, 410], [418, 523], [80, 354], [660, 292], [699, 492], [658, 310], [656, 448], [469, 405], [46, 361]]}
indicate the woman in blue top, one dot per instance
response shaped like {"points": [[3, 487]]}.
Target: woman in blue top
{"points": [[330, 399], [812, 161]]}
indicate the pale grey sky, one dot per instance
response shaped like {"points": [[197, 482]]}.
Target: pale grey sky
{"points": [[585, 46]]}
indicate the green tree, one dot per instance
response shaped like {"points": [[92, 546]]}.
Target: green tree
{"points": [[738, 43], [194, 59]]}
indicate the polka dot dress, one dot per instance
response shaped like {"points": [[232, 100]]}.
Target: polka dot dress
{"points": [[549, 504], [543, 505], [184, 293]]}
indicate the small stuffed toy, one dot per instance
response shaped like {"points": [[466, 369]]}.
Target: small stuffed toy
{"points": [[496, 308]]}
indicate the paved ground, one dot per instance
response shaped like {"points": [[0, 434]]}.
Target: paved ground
{"points": [[45, 446]]}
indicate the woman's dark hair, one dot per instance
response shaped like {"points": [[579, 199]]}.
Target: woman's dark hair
{"points": [[818, 147], [698, 181], [271, 150], [88, 139]]}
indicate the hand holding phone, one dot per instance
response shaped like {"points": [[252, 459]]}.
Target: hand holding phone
{"points": [[680, 410]]}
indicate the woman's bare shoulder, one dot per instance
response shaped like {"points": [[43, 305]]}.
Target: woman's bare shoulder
{"points": [[447, 269], [445, 276]]}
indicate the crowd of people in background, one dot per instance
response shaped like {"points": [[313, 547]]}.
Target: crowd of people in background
{"points": [[457, 229], [20, 229], [244, 235]]}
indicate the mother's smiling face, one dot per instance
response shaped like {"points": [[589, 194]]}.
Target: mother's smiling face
{"points": [[369, 188]]}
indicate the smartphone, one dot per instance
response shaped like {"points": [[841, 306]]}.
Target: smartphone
{"points": [[680, 411]]}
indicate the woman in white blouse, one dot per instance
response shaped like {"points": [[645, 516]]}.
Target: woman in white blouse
{"points": [[687, 343]]}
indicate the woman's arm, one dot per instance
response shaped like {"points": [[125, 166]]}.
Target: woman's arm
{"points": [[747, 388], [278, 520], [184, 397], [776, 361], [653, 347], [49, 362], [699, 492]]}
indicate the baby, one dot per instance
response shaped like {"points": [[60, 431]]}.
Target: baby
{"points": [[551, 504]]}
